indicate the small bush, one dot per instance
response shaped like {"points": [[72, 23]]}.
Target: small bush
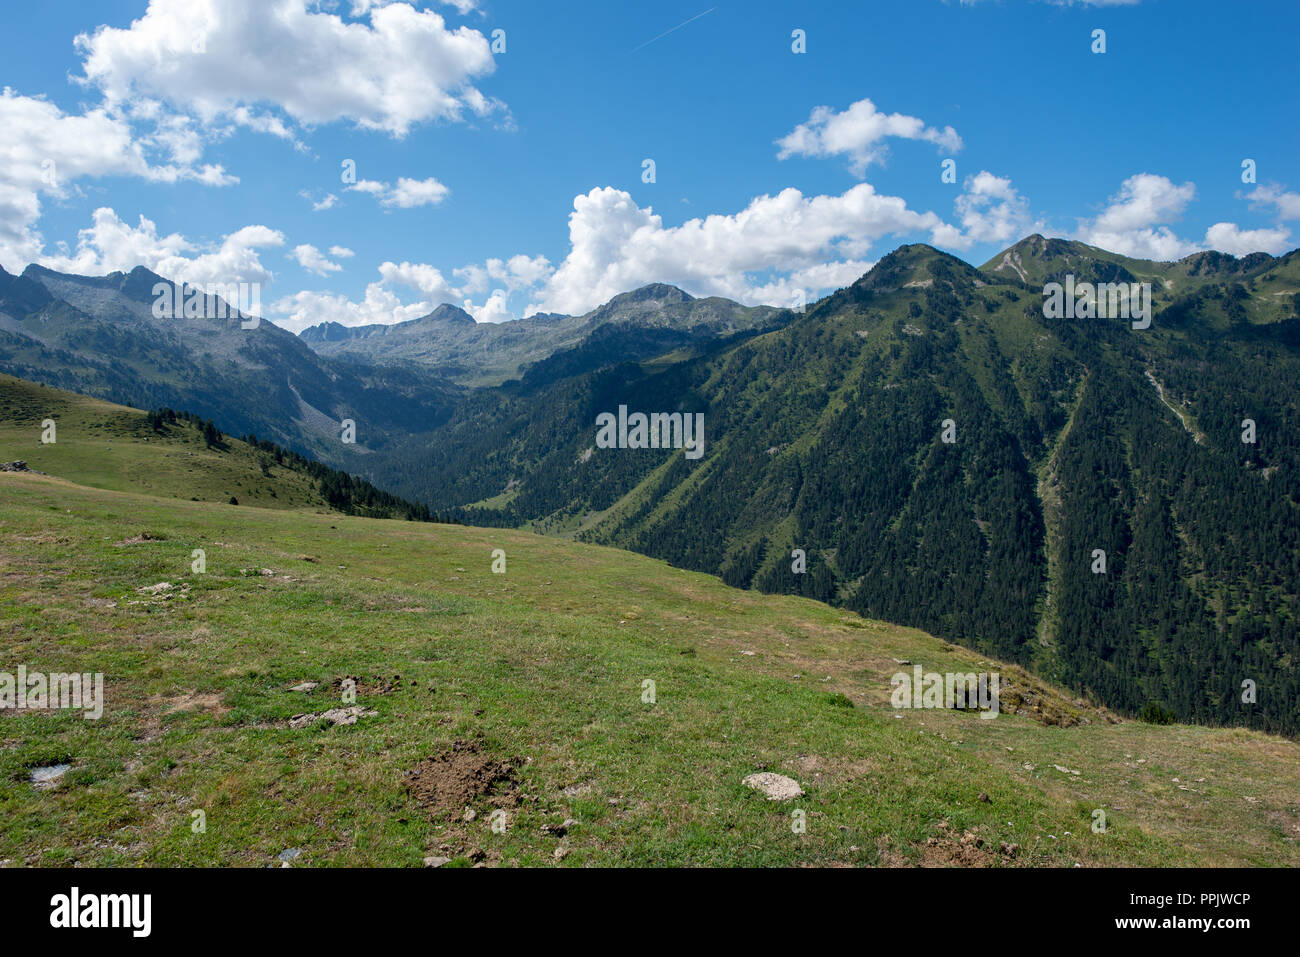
{"points": [[1154, 712]]}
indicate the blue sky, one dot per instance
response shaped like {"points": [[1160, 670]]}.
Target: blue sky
{"points": [[510, 182]]}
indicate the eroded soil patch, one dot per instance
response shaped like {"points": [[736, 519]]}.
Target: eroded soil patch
{"points": [[456, 778], [364, 686]]}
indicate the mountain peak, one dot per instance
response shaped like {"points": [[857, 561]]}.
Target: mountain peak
{"points": [[646, 300], [1210, 262], [36, 271], [1037, 259], [141, 272], [21, 295], [328, 331], [139, 283], [661, 290], [451, 314], [916, 264], [658, 293]]}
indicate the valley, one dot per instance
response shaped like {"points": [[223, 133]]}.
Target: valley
{"points": [[221, 688]]}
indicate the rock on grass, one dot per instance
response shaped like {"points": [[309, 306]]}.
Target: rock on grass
{"points": [[775, 787]]}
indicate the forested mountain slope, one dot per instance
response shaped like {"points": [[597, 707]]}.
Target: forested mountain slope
{"points": [[1071, 437]]}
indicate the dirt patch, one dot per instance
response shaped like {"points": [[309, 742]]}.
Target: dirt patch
{"points": [[193, 701], [139, 539], [819, 770], [372, 685], [48, 538], [970, 851], [889, 855], [450, 781]]}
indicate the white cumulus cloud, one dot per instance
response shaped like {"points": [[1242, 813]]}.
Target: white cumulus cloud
{"points": [[307, 308], [1285, 204], [991, 210], [44, 152], [313, 260], [109, 244], [407, 194], [234, 60], [1136, 223], [616, 245], [495, 309], [859, 133]]}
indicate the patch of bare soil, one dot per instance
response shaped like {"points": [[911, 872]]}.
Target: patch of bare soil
{"points": [[454, 779], [139, 539], [949, 850], [820, 770], [193, 701], [372, 685], [970, 851]]}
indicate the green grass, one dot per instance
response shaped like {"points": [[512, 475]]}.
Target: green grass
{"points": [[542, 666], [553, 654], [110, 446]]}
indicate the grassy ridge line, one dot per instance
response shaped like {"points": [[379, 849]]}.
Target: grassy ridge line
{"points": [[544, 663], [109, 446], [115, 447]]}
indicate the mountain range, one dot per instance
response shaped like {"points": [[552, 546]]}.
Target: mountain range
{"points": [[1112, 507], [449, 343]]}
